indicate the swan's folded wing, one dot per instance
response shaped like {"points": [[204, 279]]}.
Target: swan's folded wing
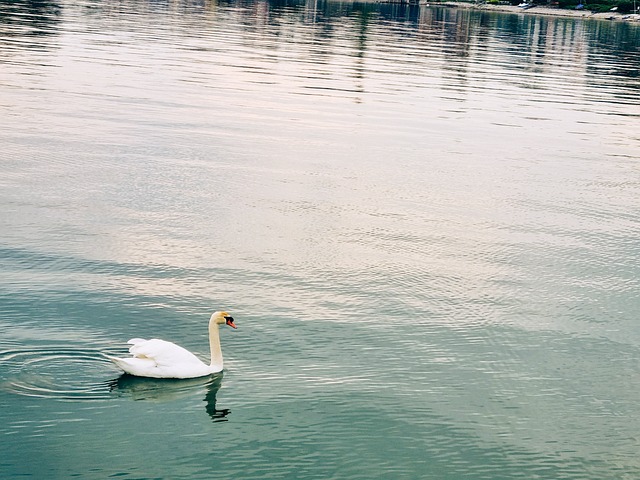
{"points": [[162, 352]]}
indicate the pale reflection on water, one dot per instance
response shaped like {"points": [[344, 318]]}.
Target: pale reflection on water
{"points": [[424, 218], [155, 390]]}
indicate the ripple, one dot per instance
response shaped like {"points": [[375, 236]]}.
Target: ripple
{"points": [[55, 372], [78, 374]]}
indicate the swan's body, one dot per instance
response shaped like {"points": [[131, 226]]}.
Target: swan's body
{"points": [[161, 359]]}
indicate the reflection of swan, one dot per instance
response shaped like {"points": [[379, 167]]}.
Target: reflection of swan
{"points": [[212, 390], [160, 359], [153, 389]]}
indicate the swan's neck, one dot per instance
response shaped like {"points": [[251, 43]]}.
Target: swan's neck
{"points": [[214, 343]]}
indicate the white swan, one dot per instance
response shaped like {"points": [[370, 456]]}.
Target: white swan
{"points": [[160, 359]]}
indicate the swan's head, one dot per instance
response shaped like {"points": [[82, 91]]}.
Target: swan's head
{"points": [[223, 318]]}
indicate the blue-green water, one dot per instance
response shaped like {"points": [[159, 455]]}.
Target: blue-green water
{"points": [[424, 220]]}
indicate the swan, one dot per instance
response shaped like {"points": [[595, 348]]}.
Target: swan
{"points": [[161, 359]]}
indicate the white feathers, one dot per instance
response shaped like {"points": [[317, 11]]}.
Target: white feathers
{"points": [[161, 359]]}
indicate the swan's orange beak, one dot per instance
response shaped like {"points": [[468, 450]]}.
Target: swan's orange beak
{"points": [[230, 322]]}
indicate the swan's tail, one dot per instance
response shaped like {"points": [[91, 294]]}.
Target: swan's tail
{"points": [[118, 361], [135, 366]]}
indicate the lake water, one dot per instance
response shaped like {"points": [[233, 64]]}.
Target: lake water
{"points": [[424, 220]]}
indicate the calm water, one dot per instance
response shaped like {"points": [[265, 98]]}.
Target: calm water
{"points": [[424, 220]]}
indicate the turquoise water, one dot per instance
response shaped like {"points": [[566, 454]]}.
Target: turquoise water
{"points": [[424, 221]]}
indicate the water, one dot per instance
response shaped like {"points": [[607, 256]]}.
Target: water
{"points": [[424, 220]]}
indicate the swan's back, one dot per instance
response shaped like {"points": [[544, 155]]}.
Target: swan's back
{"points": [[163, 353], [161, 359]]}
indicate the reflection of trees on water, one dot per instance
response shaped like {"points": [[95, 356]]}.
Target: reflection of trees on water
{"points": [[29, 18], [530, 43], [624, 40], [326, 30], [164, 390]]}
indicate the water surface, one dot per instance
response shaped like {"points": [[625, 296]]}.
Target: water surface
{"points": [[424, 221]]}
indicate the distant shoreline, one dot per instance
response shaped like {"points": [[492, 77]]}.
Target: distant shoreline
{"points": [[537, 10]]}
